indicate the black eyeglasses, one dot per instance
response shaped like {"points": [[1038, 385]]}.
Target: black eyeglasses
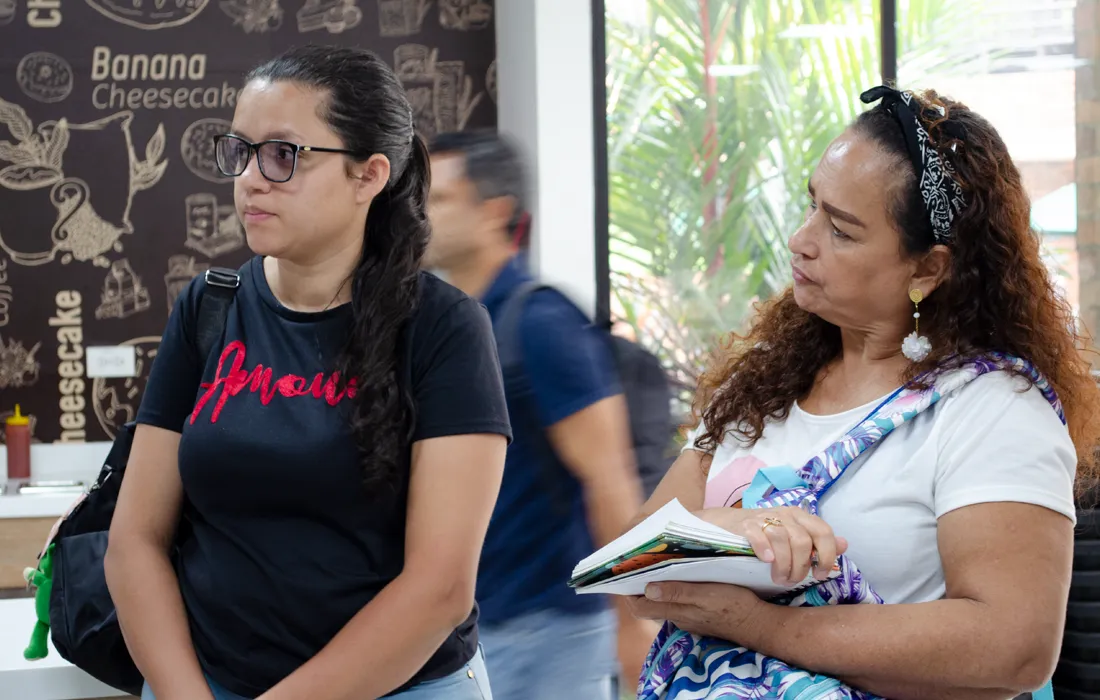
{"points": [[277, 159]]}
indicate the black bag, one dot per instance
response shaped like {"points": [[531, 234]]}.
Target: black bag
{"points": [[83, 625], [645, 386]]}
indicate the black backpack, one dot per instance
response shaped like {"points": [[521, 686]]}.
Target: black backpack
{"points": [[644, 382], [83, 625]]}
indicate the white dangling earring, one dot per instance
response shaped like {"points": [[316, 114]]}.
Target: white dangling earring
{"points": [[916, 347]]}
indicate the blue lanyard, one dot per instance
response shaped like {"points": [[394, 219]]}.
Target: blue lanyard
{"points": [[878, 408], [818, 494]]}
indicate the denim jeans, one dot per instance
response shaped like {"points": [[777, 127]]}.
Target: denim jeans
{"points": [[471, 682], [549, 655]]}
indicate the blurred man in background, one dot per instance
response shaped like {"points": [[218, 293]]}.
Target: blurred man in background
{"points": [[570, 483]]}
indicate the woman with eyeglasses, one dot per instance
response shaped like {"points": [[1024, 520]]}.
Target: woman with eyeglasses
{"points": [[304, 508]]}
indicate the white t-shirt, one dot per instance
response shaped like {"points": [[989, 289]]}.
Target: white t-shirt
{"points": [[985, 442]]}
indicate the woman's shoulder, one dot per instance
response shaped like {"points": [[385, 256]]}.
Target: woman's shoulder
{"points": [[998, 387], [1002, 402], [450, 331], [439, 298], [998, 438], [442, 307]]}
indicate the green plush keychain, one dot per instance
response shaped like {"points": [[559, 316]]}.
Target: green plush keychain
{"points": [[42, 579]]}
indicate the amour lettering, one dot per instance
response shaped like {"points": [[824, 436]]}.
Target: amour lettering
{"points": [[234, 379]]}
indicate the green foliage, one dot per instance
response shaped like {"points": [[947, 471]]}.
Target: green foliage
{"points": [[717, 112], [716, 115]]}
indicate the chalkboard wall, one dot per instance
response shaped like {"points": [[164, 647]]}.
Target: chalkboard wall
{"points": [[109, 199]]}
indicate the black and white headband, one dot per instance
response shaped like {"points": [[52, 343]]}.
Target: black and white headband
{"points": [[943, 197]]}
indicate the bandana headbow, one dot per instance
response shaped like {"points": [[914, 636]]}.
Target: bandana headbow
{"points": [[943, 197]]}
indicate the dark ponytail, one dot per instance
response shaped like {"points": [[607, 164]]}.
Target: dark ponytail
{"points": [[385, 291], [366, 106]]}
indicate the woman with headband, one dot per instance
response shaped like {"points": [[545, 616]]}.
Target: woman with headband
{"points": [[905, 424]]}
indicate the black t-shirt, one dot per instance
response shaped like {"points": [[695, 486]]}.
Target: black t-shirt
{"points": [[283, 544]]}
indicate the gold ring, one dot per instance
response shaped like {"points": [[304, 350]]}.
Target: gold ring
{"points": [[768, 522]]}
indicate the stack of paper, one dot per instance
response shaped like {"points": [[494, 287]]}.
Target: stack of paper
{"points": [[675, 545]]}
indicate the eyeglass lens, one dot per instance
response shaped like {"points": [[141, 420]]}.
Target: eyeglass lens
{"points": [[276, 160]]}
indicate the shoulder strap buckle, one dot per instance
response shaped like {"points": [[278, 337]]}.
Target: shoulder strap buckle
{"points": [[221, 277], [214, 306]]}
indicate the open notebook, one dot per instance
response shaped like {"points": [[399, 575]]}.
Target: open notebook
{"points": [[675, 545]]}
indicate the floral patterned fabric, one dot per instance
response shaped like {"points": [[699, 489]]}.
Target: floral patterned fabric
{"points": [[684, 666]]}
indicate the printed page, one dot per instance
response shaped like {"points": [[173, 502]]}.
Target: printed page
{"points": [[672, 518], [748, 572]]}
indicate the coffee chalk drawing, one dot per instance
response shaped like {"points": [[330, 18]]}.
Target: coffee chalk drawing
{"points": [[465, 15], [123, 293], [212, 229], [197, 148], [7, 295], [254, 16], [36, 162], [181, 270], [415, 62], [44, 76], [441, 94], [334, 16], [18, 367], [116, 400], [7, 12], [402, 17], [149, 14]]}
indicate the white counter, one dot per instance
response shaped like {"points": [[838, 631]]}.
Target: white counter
{"points": [[52, 462], [38, 506], [51, 678]]}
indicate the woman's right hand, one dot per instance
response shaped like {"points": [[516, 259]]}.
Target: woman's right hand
{"points": [[790, 538]]}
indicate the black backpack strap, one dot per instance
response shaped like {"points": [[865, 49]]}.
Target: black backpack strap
{"points": [[221, 287], [509, 342]]}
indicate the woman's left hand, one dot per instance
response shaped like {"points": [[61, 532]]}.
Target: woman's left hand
{"points": [[717, 610]]}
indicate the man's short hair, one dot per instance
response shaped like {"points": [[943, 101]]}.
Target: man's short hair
{"points": [[492, 164]]}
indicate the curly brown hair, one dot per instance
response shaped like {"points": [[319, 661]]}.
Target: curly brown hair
{"points": [[997, 296]]}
